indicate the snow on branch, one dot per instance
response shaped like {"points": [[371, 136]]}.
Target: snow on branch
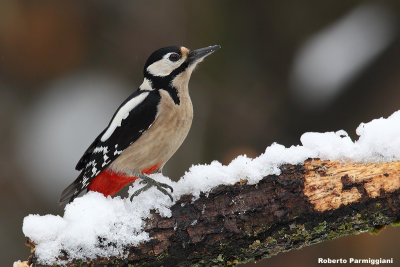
{"points": [[249, 209]]}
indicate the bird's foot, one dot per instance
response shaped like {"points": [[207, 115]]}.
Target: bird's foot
{"points": [[150, 183]]}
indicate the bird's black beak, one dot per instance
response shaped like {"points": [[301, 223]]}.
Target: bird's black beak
{"points": [[199, 54]]}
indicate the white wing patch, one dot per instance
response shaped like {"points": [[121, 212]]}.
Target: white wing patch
{"points": [[105, 163], [99, 149], [117, 152], [122, 114]]}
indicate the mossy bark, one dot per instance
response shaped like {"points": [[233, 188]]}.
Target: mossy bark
{"points": [[306, 204]]}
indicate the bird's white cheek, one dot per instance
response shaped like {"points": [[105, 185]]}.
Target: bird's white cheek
{"points": [[160, 68], [164, 67]]}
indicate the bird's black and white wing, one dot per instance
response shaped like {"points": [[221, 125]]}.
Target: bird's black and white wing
{"points": [[130, 121]]}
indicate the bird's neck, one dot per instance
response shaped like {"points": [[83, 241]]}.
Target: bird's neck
{"points": [[181, 83], [177, 86]]}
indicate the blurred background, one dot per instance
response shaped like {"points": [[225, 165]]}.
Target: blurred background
{"points": [[284, 68]]}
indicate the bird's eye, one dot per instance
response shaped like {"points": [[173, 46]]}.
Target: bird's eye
{"points": [[174, 57]]}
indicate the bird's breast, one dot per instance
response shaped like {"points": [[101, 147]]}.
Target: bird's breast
{"points": [[161, 140]]}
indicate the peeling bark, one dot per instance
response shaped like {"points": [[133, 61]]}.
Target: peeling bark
{"points": [[306, 204]]}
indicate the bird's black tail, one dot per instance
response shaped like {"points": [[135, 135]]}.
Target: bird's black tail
{"points": [[71, 192]]}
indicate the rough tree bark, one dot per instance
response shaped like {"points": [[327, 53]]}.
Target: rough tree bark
{"points": [[306, 204]]}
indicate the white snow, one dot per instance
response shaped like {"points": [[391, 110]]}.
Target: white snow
{"points": [[164, 66], [121, 221]]}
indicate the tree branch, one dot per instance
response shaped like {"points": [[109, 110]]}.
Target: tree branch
{"points": [[306, 204]]}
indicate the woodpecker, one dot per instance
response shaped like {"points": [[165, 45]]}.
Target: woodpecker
{"points": [[145, 131]]}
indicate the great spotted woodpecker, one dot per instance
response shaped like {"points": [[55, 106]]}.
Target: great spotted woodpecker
{"points": [[145, 131]]}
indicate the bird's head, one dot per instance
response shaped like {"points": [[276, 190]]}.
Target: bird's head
{"points": [[172, 66]]}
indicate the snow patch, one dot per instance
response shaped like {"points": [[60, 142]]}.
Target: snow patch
{"points": [[86, 221], [93, 218]]}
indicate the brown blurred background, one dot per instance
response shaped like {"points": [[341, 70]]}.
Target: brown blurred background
{"points": [[284, 68]]}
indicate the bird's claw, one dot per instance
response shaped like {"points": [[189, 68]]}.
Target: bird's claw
{"points": [[150, 183]]}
